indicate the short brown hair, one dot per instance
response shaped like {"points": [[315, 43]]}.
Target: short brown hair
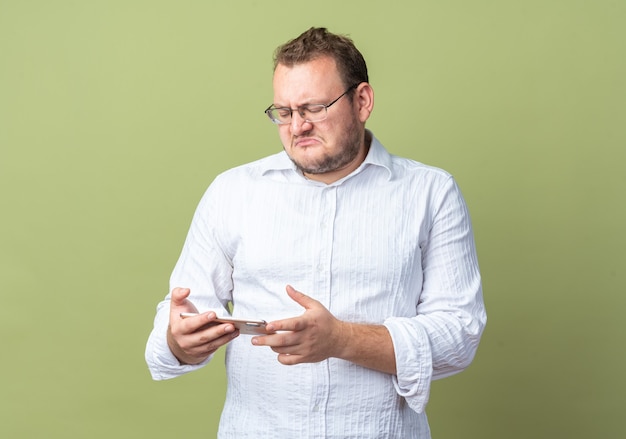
{"points": [[319, 42]]}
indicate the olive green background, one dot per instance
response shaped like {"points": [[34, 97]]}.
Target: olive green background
{"points": [[116, 115]]}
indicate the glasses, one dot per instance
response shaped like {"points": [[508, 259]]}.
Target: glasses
{"points": [[309, 113]]}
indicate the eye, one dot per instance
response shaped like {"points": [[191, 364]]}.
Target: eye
{"points": [[283, 112], [313, 109]]}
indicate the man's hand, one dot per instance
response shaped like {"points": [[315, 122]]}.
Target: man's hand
{"points": [[193, 339], [314, 336], [317, 335]]}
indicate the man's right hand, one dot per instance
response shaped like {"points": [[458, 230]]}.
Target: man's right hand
{"points": [[193, 339]]}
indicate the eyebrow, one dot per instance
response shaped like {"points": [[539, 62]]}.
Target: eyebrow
{"points": [[310, 102]]}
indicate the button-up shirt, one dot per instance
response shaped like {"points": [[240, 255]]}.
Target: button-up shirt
{"points": [[389, 244]]}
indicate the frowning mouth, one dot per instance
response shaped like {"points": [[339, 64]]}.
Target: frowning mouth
{"points": [[303, 142]]}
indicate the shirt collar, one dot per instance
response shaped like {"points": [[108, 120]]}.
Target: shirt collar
{"points": [[378, 156]]}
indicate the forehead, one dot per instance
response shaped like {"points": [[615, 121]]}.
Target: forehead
{"points": [[305, 82]]}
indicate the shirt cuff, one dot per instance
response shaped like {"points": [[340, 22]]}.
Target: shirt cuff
{"points": [[414, 366]]}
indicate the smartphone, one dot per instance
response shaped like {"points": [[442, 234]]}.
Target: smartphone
{"points": [[245, 326]]}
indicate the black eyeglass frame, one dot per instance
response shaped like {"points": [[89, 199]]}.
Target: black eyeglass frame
{"points": [[302, 108]]}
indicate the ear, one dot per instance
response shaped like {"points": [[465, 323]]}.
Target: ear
{"points": [[364, 100]]}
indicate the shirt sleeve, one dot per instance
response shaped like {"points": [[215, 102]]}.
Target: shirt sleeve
{"points": [[206, 270], [443, 337]]}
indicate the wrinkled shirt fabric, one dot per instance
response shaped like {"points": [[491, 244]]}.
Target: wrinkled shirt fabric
{"points": [[389, 244]]}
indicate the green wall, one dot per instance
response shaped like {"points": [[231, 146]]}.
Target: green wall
{"points": [[116, 115]]}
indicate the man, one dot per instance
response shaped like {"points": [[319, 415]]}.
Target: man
{"points": [[363, 264]]}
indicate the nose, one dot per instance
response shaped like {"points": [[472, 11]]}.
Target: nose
{"points": [[298, 123]]}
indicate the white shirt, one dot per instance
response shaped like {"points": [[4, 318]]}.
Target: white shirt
{"points": [[389, 244]]}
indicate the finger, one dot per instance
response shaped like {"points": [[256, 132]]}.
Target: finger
{"points": [[290, 359], [179, 302], [216, 333], [206, 342], [202, 321], [287, 350], [278, 340], [224, 339], [302, 299], [179, 296], [190, 337], [290, 324]]}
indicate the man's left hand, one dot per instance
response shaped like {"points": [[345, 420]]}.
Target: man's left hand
{"points": [[309, 338]]}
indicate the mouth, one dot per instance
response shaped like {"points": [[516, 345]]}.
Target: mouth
{"points": [[303, 142]]}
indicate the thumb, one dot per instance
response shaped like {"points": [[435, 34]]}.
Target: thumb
{"points": [[302, 299], [179, 296], [179, 302]]}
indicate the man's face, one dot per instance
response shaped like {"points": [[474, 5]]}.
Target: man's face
{"points": [[330, 149]]}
